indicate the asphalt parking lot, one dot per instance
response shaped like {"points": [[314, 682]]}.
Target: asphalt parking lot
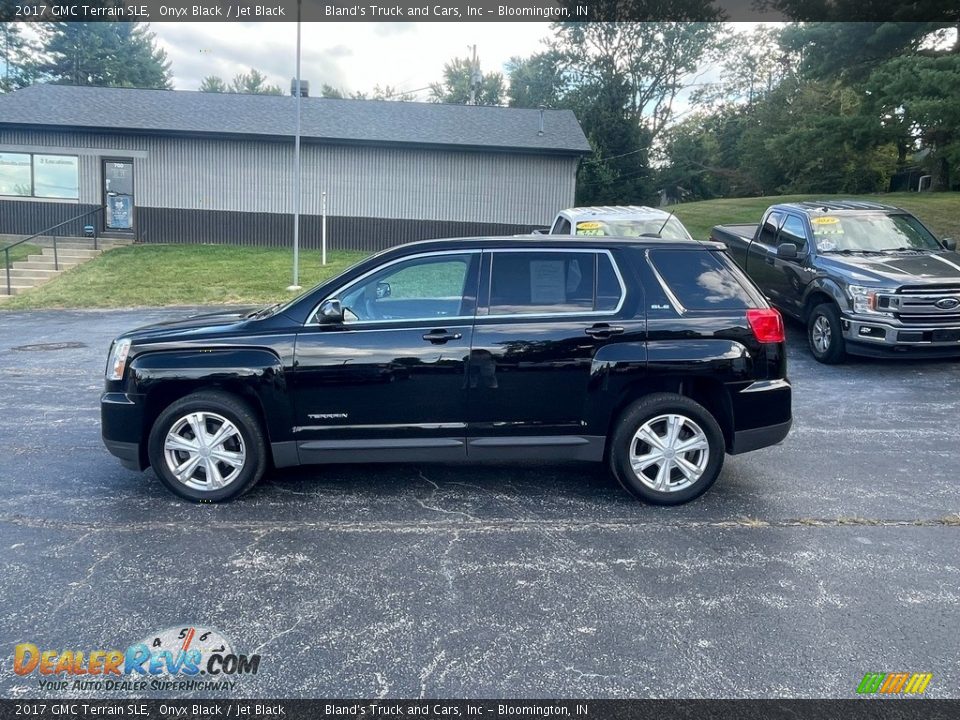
{"points": [[806, 566]]}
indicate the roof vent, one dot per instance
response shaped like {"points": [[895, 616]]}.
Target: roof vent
{"points": [[540, 131], [304, 88]]}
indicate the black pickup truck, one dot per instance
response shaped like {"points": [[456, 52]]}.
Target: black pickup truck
{"points": [[865, 278], [654, 356]]}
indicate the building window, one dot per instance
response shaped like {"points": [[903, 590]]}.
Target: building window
{"points": [[15, 178], [56, 176], [41, 176]]}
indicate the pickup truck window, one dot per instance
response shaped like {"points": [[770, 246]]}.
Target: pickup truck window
{"points": [[672, 229], [561, 227], [546, 283], [794, 231], [701, 280], [768, 231], [871, 233]]}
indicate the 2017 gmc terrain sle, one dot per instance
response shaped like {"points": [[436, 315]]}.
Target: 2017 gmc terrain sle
{"points": [[655, 356]]}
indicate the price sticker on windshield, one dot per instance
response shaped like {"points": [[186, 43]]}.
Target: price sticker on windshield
{"points": [[826, 226], [590, 228]]}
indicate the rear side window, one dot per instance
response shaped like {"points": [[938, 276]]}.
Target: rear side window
{"points": [[701, 280], [794, 231], [539, 283]]}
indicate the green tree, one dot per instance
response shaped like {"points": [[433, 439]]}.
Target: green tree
{"points": [[652, 60], [18, 57], [851, 51], [213, 84], [462, 79], [536, 81], [253, 83], [108, 54], [918, 97]]}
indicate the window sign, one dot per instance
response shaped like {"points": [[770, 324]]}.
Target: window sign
{"points": [[56, 176], [15, 176]]}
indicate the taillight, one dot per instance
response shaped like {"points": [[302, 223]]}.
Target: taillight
{"points": [[767, 325]]}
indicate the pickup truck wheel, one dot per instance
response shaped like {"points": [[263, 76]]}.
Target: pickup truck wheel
{"points": [[666, 449], [825, 335], [208, 447]]}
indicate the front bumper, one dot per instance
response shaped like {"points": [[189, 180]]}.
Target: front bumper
{"points": [[886, 337], [121, 425]]}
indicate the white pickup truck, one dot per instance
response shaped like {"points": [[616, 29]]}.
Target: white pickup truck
{"points": [[619, 221]]}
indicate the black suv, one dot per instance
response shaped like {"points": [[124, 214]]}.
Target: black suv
{"points": [[654, 356]]}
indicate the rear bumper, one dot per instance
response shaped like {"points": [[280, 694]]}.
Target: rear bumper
{"points": [[121, 424], [762, 413], [747, 440], [882, 338]]}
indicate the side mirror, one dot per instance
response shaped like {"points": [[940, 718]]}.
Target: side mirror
{"points": [[950, 243], [383, 290], [330, 311], [787, 251]]}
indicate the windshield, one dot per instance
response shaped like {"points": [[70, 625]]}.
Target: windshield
{"points": [[673, 230], [871, 233]]}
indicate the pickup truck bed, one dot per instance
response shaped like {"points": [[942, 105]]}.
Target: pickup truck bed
{"points": [[737, 238]]}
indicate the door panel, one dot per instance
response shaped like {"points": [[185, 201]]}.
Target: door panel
{"points": [[391, 379], [761, 256], [529, 376]]}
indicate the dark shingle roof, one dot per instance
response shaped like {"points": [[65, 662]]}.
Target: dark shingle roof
{"points": [[361, 121]]}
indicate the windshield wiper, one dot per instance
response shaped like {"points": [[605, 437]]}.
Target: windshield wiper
{"points": [[264, 311], [849, 251]]}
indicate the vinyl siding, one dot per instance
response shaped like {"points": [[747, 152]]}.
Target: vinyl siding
{"points": [[495, 188]]}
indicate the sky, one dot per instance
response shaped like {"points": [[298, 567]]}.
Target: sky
{"points": [[350, 56]]}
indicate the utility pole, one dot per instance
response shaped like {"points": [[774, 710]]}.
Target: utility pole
{"points": [[474, 76], [296, 172]]}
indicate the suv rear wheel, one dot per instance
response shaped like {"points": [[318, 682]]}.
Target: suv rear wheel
{"points": [[667, 449], [208, 447], [825, 335]]}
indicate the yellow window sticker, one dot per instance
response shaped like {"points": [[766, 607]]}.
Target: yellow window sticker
{"points": [[590, 228], [825, 220]]}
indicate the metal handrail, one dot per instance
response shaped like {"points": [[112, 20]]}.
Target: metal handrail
{"points": [[47, 231]]}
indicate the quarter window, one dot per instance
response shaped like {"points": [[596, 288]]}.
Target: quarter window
{"points": [[539, 283], [702, 280]]}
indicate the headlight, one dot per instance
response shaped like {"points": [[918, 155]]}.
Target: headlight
{"points": [[118, 359], [864, 299]]}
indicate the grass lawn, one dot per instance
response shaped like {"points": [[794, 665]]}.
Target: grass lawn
{"points": [[939, 211], [19, 252], [140, 275]]}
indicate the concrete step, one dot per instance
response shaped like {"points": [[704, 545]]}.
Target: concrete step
{"points": [[17, 272], [16, 289], [71, 253], [81, 245], [33, 263]]}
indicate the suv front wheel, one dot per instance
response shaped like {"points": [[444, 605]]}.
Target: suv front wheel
{"points": [[208, 447], [666, 449]]}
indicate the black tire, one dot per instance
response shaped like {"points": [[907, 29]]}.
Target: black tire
{"points": [[648, 409], [249, 433], [826, 316]]}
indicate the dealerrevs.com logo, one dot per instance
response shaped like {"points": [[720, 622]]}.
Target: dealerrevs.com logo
{"points": [[178, 658], [894, 683]]}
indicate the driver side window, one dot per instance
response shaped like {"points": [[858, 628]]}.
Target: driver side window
{"points": [[423, 288]]}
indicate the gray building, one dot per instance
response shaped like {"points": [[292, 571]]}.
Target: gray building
{"points": [[172, 167]]}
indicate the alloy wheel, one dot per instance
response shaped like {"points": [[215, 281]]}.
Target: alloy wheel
{"points": [[821, 334]]}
